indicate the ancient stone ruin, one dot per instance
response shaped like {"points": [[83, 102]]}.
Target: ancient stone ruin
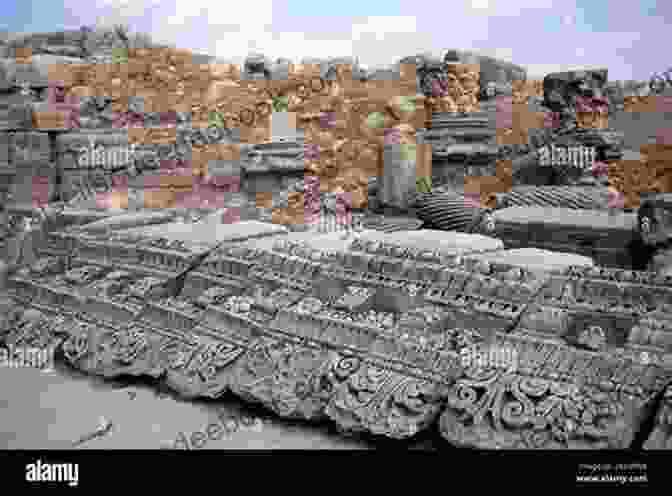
{"points": [[161, 218]]}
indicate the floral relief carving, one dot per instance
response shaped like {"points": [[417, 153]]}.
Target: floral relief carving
{"points": [[496, 409], [198, 369], [383, 402]]}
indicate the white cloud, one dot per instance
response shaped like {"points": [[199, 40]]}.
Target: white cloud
{"points": [[231, 32], [480, 5], [380, 26], [505, 8], [123, 11]]}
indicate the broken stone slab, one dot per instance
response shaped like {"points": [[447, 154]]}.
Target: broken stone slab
{"points": [[72, 51], [552, 397], [607, 236], [446, 244], [207, 351], [566, 217], [127, 221], [35, 73], [575, 197], [534, 259], [208, 232], [449, 211], [562, 88], [661, 435]]}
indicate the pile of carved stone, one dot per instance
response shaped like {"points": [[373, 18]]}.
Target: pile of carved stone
{"points": [[389, 333], [580, 98]]}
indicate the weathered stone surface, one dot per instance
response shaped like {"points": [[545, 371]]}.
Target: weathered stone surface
{"points": [[376, 333], [575, 197], [554, 398], [599, 234], [534, 258], [561, 89], [128, 221], [660, 438], [314, 327], [449, 211]]}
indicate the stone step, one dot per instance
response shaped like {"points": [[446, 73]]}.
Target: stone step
{"points": [[466, 150], [459, 122], [483, 134]]}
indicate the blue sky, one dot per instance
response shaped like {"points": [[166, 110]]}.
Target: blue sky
{"points": [[542, 35]]}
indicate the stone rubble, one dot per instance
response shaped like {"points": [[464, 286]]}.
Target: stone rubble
{"points": [[377, 330]]}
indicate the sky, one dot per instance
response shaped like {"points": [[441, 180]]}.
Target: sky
{"points": [[541, 35]]}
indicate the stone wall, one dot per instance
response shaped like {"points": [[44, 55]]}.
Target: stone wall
{"points": [[350, 122], [346, 122]]}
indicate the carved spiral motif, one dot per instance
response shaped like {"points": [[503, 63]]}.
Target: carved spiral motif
{"points": [[177, 353], [344, 367], [75, 347], [539, 413], [210, 359], [127, 345]]}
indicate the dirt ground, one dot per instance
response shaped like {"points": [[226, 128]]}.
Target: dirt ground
{"points": [[41, 410]]}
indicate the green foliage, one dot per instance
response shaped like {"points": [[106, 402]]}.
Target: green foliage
{"points": [[424, 184], [375, 120], [281, 104], [409, 152], [406, 103], [119, 55], [216, 119]]}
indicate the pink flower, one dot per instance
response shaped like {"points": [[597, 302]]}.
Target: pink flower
{"points": [[504, 116], [472, 200], [135, 119], [228, 183], [168, 166], [327, 120], [56, 92], [120, 182], [311, 151], [104, 200], [600, 169], [392, 137], [438, 89], [552, 120], [616, 199], [664, 136], [120, 120], [663, 103], [343, 208], [40, 195], [168, 118], [231, 216]]}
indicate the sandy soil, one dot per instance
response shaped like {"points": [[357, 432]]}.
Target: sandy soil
{"points": [[54, 410]]}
